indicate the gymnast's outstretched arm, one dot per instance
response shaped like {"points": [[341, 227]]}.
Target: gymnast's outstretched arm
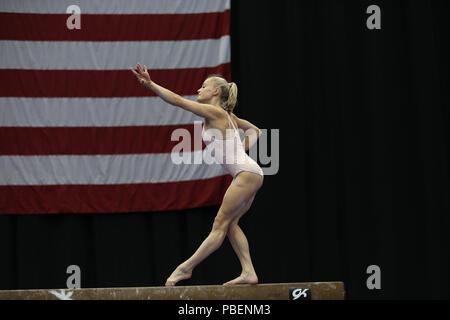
{"points": [[204, 110]]}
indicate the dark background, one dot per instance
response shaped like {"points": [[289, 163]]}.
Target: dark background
{"points": [[364, 165]]}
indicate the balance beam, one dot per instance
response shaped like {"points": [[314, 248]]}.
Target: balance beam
{"points": [[269, 291]]}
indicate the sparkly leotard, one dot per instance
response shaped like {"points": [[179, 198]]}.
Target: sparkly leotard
{"points": [[230, 153]]}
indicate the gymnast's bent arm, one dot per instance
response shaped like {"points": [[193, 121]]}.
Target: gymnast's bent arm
{"points": [[252, 132], [201, 109]]}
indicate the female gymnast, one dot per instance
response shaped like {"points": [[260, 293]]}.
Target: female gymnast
{"points": [[216, 100]]}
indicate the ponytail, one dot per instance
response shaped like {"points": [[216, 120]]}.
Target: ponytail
{"points": [[232, 97]]}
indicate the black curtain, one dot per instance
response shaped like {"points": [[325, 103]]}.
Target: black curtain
{"points": [[364, 164]]}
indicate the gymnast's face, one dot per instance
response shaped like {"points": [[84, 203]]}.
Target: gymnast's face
{"points": [[207, 91]]}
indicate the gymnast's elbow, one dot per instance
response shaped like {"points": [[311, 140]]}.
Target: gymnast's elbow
{"points": [[259, 132]]}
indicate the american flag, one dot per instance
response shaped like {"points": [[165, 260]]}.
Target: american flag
{"points": [[78, 133]]}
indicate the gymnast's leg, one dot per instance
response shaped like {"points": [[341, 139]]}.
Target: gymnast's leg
{"points": [[237, 196], [239, 243]]}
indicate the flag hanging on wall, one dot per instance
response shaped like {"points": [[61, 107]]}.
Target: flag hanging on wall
{"points": [[78, 133]]}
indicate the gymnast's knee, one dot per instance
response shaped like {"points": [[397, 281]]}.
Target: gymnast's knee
{"points": [[221, 223], [233, 227]]}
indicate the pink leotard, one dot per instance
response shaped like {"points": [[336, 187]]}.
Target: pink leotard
{"points": [[230, 153]]}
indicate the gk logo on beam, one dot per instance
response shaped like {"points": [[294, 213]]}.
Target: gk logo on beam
{"points": [[300, 293]]}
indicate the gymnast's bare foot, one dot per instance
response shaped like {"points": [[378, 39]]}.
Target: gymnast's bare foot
{"points": [[247, 278], [180, 273]]}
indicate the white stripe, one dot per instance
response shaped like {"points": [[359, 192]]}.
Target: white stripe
{"points": [[115, 6], [101, 169], [92, 112], [88, 55]]}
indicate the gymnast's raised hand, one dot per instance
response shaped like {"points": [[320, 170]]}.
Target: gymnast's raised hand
{"points": [[142, 75]]}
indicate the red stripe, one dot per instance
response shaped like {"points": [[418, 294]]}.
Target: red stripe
{"points": [[95, 140], [113, 27], [113, 198], [101, 83]]}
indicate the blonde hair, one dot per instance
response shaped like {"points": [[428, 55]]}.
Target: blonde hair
{"points": [[228, 96]]}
